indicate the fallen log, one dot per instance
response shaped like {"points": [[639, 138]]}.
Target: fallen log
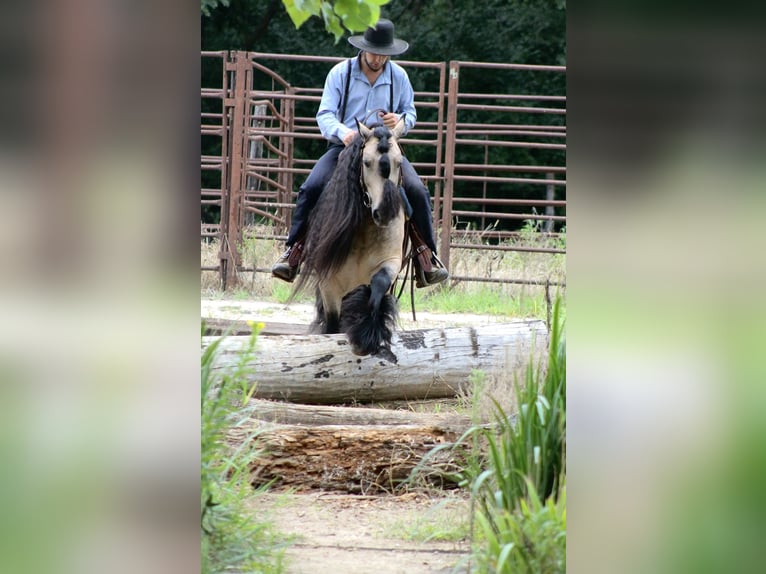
{"points": [[422, 364], [362, 459], [294, 414]]}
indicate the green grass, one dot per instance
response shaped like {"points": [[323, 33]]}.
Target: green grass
{"points": [[446, 521], [479, 299], [241, 295], [515, 467], [518, 482], [280, 292], [528, 540], [233, 538]]}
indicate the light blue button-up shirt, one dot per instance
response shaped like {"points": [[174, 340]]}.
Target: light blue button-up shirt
{"points": [[363, 99]]}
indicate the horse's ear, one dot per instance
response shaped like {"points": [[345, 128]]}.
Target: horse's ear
{"points": [[399, 127], [363, 129]]}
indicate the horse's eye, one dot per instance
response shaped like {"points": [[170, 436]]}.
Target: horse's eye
{"points": [[367, 162]]}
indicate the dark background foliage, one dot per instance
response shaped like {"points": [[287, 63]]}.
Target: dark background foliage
{"points": [[518, 31], [509, 31]]}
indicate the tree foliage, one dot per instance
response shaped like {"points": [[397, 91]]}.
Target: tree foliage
{"points": [[208, 5], [518, 31], [353, 15], [338, 16]]}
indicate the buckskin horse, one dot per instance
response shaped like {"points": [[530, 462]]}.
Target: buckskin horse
{"points": [[353, 248]]}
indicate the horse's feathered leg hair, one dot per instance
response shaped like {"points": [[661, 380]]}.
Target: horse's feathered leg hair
{"points": [[369, 315]]}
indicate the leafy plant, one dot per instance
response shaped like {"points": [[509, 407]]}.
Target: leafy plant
{"points": [[353, 15], [232, 539], [520, 495], [532, 447], [529, 540], [516, 471], [208, 5]]}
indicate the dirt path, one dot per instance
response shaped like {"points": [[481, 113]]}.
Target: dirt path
{"points": [[303, 314], [347, 534]]}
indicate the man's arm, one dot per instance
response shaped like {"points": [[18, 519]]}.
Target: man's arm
{"points": [[332, 129], [405, 104]]}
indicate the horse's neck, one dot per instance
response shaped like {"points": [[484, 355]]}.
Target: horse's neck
{"points": [[371, 237]]}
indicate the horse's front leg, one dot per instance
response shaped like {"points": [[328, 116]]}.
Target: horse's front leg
{"points": [[369, 315], [327, 319], [331, 314], [332, 321], [379, 286]]}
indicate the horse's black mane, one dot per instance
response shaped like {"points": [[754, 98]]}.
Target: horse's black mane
{"points": [[340, 211]]}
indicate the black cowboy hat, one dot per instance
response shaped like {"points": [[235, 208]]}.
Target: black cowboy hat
{"points": [[380, 40]]}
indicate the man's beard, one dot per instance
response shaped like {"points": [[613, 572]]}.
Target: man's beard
{"points": [[375, 68]]}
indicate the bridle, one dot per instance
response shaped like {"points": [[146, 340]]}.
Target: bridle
{"points": [[367, 198]]}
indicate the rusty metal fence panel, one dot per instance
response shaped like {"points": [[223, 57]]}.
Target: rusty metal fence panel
{"points": [[215, 134], [269, 141], [481, 195]]}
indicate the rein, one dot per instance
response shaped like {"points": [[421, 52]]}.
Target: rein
{"points": [[375, 111]]}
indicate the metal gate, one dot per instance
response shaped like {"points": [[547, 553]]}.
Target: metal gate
{"points": [[260, 120]]}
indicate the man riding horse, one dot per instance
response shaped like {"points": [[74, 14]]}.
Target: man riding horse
{"points": [[354, 89]]}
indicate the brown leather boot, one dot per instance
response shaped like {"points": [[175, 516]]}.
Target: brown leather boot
{"points": [[288, 265], [429, 270]]}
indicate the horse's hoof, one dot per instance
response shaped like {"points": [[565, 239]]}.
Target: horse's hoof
{"points": [[386, 354], [359, 351]]}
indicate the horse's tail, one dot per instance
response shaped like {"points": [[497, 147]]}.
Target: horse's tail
{"points": [[368, 332]]}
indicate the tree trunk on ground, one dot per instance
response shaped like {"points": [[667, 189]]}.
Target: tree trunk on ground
{"points": [[361, 459], [292, 414], [432, 363]]}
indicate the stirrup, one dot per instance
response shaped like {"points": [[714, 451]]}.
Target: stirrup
{"points": [[437, 275]]}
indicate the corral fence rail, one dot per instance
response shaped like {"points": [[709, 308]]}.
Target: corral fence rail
{"points": [[494, 161]]}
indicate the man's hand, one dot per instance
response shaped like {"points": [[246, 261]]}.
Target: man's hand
{"points": [[389, 119], [349, 137]]}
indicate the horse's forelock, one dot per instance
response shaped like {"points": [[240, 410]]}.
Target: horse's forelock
{"points": [[384, 166], [383, 134]]}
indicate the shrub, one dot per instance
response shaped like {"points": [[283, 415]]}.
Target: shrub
{"points": [[232, 539], [517, 472], [528, 540]]}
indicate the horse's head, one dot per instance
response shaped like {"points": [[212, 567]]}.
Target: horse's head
{"points": [[381, 170]]}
